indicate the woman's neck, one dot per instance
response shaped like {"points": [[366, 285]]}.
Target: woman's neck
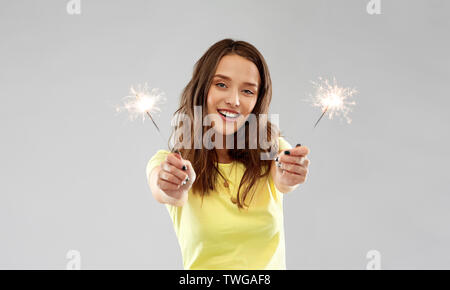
{"points": [[223, 156], [222, 153]]}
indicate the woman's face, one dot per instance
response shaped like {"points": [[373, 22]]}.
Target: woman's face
{"points": [[233, 93]]}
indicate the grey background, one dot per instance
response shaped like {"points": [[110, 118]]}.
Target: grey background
{"points": [[73, 171]]}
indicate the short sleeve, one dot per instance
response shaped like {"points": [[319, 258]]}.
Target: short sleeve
{"points": [[156, 160], [283, 144]]}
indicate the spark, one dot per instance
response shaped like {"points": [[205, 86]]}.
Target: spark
{"points": [[333, 99], [143, 101]]}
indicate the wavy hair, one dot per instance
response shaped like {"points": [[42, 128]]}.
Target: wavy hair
{"points": [[205, 161]]}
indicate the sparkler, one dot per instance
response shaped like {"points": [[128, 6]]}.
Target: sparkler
{"points": [[333, 99], [143, 101]]}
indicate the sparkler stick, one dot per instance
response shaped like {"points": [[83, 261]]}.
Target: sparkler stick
{"points": [[321, 116], [151, 118]]}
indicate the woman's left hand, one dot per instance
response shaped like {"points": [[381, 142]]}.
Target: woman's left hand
{"points": [[292, 165]]}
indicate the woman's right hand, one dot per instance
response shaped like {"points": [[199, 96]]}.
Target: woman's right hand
{"points": [[175, 178]]}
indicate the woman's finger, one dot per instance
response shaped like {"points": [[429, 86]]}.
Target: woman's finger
{"points": [[180, 174], [176, 161], [169, 177], [290, 159], [190, 171], [166, 185], [297, 151], [293, 178], [306, 162], [294, 168]]}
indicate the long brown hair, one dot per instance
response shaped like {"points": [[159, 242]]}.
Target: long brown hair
{"points": [[205, 161]]}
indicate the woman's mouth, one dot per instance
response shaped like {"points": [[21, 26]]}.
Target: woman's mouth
{"points": [[228, 116]]}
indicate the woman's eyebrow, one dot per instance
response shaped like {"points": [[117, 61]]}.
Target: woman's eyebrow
{"points": [[229, 79]]}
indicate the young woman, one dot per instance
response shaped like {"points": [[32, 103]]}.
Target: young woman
{"points": [[226, 204]]}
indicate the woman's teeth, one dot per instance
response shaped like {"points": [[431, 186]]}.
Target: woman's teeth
{"points": [[228, 114]]}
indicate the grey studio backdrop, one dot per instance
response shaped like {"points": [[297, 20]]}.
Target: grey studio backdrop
{"points": [[73, 170]]}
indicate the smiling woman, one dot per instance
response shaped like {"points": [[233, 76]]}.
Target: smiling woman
{"points": [[226, 205], [222, 80]]}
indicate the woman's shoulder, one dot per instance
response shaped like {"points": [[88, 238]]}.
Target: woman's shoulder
{"points": [[156, 160], [283, 144], [161, 153]]}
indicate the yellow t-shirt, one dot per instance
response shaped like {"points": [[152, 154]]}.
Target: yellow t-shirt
{"points": [[216, 235]]}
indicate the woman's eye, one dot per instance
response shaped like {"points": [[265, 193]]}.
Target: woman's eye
{"points": [[220, 84]]}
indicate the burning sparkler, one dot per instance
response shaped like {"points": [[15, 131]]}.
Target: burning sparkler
{"points": [[143, 101], [333, 99]]}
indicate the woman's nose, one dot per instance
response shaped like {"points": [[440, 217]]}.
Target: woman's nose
{"points": [[233, 100]]}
